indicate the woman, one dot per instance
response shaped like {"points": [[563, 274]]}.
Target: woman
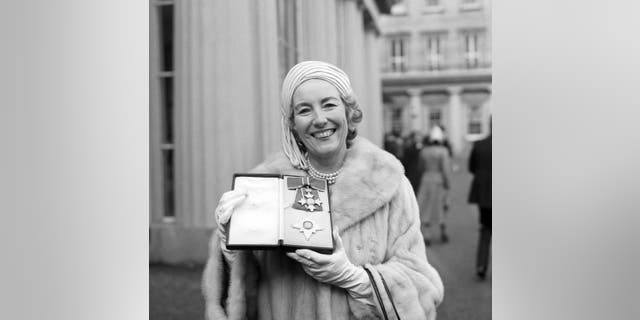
{"points": [[375, 217], [435, 183]]}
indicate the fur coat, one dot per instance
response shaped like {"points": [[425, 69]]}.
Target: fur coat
{"points": [[376, 212]]}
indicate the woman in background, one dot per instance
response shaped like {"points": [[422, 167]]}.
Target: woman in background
{"points": [[435, 184]]}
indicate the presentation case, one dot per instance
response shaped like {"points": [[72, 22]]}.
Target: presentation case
{"points": [[281, 211]]}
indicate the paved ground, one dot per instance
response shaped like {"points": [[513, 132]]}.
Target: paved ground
{"points": [[175, 291], [466, 298]]}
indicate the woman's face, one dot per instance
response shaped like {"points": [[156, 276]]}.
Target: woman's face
{"points": [[319, 118]]}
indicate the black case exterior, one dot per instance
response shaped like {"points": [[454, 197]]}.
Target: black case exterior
{"points": [[280, 244]]}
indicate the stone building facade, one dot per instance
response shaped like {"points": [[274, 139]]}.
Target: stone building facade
{"points": [[436, 68], [215, 72]]}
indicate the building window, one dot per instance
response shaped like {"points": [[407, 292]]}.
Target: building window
{"points": [[396, 120], [470, 5], [435, 117], [397, 53], [474, 125], [163, 82], [433, 6], [433, 48], [472, 48], [399, 9], [288, 51]]}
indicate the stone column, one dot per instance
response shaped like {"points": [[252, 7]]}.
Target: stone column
{"points": [[318, 31], [405, 115], [415, 109], [425, 119], [486, 109], [455, 130], [373, 90]]}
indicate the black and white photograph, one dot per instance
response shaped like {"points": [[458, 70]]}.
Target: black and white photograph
{"points": [[319, 159], [389, 102]]}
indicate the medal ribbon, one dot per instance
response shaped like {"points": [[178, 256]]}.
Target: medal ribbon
{"points": [[307, 197], [311, 182]]}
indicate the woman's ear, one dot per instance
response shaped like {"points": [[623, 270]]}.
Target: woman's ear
{"points": [[297, 139]]}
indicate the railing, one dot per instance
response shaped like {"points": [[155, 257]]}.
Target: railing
{"points": [[436, 69]]}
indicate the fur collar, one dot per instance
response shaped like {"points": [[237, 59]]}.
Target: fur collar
{"points": [[370, 177]]}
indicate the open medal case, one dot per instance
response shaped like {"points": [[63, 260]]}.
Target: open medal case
{"points": [[281, 211]]}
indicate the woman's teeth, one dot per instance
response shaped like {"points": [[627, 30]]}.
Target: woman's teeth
{"points": [[324, 134]]}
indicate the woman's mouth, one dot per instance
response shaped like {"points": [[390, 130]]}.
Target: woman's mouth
{"points": [[323, 134]]}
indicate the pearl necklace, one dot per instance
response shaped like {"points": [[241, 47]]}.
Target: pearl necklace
{"points": [[330, 177]]}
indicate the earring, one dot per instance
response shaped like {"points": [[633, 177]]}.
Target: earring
{"points": [[352, 133]]}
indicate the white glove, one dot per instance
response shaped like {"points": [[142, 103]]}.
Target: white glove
{"points": [[224, 210], [335, 269]]}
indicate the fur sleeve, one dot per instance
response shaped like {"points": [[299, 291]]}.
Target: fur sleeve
{"points": [[413, 284], [228, 291]]}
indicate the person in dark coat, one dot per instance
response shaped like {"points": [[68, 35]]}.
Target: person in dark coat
{"points": [[394, 143], [480, 194], [411, 160]]}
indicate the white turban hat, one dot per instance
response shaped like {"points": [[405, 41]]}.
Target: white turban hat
{"points": [[298, 74], [436, 134]]}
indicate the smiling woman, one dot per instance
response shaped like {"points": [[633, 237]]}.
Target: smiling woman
{"points": [[320, 124], [379, 267]]}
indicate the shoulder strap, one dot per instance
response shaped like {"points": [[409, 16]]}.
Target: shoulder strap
{"points": [[377, 293], [386, 288], [384, 298]]}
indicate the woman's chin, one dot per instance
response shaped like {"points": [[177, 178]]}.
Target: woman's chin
{"points": [[322, 151]]}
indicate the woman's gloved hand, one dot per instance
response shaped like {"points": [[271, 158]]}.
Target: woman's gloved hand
{"points": [[224, 210], [335, 269]]}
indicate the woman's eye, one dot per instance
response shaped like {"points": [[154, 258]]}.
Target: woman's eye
{"points": [[329, 105], [303, 110]]}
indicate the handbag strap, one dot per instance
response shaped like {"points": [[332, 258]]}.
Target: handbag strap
{"points": [[377, 292], [386, 288]]}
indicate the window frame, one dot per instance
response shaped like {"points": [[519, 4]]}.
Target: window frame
{"points": [[470, 5], [473, 59], [398, 63], [433, 8], [162, 115], [439, 63]]}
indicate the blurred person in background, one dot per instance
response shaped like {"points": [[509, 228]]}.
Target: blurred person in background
{"points": [[447, 144], [480, 194], [454, 167], [435, 184], [411, 159], [379, 267], [394, 143], [445, 140]]}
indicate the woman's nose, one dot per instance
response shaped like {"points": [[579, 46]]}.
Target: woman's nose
{"points": [[320, 119]]}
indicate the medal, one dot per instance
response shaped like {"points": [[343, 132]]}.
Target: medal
{"points": [[307, 196], [308, 228]]}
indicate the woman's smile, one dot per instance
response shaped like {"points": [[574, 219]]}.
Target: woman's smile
{"points": [[323, 134]]}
